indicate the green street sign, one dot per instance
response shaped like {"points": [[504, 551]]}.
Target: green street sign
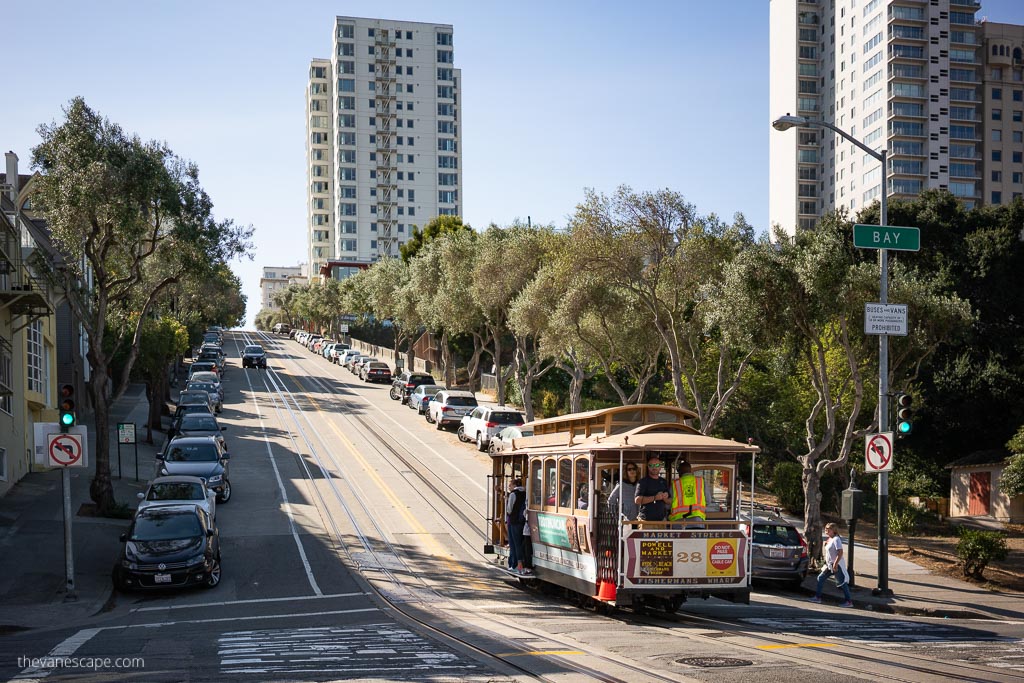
{"points": [[886, 237]]}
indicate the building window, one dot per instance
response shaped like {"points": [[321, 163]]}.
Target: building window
{"points": [[444, 39], [445, 109], [6, 380], [997, 93], [997, 155], [1018, 95], [412, 210], [346, 85], [348, 227], [997, 114], [348, 209], [373, 227], [1018, 177], [448, 196], [348, 245], [997, 176], [1018, 136], [34, 357], [412, 176], [346, 31], [446, 91], [997, 135], [1017, 157], [997, 197]]}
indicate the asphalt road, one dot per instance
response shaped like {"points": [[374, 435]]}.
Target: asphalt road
{"points": [[352, 550]]}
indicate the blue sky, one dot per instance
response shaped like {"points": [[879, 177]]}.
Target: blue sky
{"points": [[556, 97]]}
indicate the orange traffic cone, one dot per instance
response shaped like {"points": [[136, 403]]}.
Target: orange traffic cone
{"points": [[606, 591]]}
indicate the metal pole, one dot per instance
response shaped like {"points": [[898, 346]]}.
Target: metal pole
{"points": [[69, 556], [883, 398], [136, 459]]}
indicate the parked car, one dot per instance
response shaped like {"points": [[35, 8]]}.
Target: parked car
{"points": [[188, 409], [355, 361], [345, 356], [486, 421], [180, 490], [200, 396], [375, 371], [212, 378], [202, 366], [169, 546], [405, 382], [198, 456], [299, 335], [253, 356], [336, 351], [421, 396], [213, 355], [502, 441], [311, 340], [211, 388], [779, 551], [449, 407], [197, 424], [282, 328]]}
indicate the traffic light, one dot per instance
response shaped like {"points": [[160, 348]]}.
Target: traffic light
{"points": [[67, 407], [904, 414]]}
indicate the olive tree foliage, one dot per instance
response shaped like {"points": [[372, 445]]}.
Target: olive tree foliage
{"points": [[1011, 481], [656, 247], [114, 205], [807, 293], [163, 340], [506, 262], [441, 276], [438, 226], [596, 325]]}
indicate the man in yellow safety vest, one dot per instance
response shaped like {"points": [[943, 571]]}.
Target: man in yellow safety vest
{"points": [[687, 495]]}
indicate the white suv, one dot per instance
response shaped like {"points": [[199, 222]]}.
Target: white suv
{"points": [[450, 406], [486, 421]]}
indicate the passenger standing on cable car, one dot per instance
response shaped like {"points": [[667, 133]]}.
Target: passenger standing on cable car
{"points": [[626, 491], [652, 492], [515, 521]]}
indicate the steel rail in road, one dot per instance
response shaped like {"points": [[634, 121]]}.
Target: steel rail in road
{"points": [[285, 398]]}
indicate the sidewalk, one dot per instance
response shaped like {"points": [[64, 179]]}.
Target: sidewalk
{"points": [[32, 575], [918, 591]]}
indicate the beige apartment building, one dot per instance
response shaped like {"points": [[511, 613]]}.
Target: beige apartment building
{"points": [[1003, 99], [277, 278], [908, 76]]}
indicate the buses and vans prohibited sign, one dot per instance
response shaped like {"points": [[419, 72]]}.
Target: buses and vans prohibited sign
{"points": [[65, 450], [878, 453]]}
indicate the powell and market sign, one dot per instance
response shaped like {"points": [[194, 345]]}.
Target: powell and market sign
{"points": [[886, 237]]}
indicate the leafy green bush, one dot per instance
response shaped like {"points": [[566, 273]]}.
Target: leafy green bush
{"points": [[977, 548], [1011, 482], [903, 519]]}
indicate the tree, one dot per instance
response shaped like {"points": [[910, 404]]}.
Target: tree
{"points": [[163, 340], [439, 225], [655, 246], [1011, 482], [808, 292], [114, 206]]}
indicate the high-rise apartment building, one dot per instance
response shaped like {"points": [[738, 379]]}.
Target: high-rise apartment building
{"points": [[1003, 100], [902, 74], [383, 142]]}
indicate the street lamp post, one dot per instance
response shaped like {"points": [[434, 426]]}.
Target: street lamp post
{"points": [[785, 123]]}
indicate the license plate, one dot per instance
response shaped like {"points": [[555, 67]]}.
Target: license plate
{"points": [[161, 578], [776, 552]]}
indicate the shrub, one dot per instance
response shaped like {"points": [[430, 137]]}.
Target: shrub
{"points": [[977, 548], [903, 519]]}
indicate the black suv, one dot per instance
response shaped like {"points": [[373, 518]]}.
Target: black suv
{"points": [[254, 357], [405, 382], [169, 546]]}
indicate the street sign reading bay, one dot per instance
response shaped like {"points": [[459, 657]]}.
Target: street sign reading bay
{"points": [[886, 237]]}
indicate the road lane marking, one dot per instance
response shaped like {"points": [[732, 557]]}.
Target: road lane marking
{"points": [[780, 647], [284, 494], [202, 605], [541, 653], [65, 648]]}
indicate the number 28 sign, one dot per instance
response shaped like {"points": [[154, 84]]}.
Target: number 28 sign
{"points": [[878, 453]]}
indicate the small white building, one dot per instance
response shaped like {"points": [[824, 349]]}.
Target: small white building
{"points": [[974, 488]]}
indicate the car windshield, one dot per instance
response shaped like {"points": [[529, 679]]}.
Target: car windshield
{"points": [[203, 386], [178, 490], [193, 397], [200, 422], [165, 526], [378, 366], [507, 418], [200, 452], [202, 366], [255, 350], [776, 534], [205, 377], [468, 401]]}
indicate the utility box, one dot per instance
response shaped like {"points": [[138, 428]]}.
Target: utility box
{"points": [[852, 503]]}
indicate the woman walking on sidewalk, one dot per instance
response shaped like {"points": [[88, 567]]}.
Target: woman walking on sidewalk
{"points": [[835, 564]]}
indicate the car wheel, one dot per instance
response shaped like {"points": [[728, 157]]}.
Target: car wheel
{"points": [[480, 445], [394, 394], [213, 579], [461, 433], [225, 495], [430, 420]]}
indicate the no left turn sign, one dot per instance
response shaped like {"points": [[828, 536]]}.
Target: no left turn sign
{"points": [[65, 450], [878, 453]]}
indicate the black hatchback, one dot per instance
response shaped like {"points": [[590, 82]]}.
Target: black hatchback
{"points": [[169, 546], [779, 552]]}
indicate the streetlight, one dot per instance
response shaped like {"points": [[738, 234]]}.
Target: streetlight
{"points": [[785, 123]]}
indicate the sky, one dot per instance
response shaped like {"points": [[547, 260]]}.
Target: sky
{"points": [[556, 97]]}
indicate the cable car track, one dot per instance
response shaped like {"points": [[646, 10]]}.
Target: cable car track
{"points": [[285, 402]]}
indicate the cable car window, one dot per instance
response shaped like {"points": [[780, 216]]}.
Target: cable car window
{"points": [[662, 416], [550, 483], [536, 484], [582, 483], [565, 483], [718, 489]]}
